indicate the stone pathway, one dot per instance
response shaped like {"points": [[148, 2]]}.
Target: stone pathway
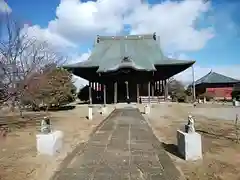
{"points": [[124, 147]]}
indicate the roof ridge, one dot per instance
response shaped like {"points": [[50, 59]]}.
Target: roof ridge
{"points": [[202, 79]]}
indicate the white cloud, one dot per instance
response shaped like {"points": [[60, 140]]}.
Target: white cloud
{"points": [[54, 39], [174, 22], [83, 57], [78, 21], [4, 7]]}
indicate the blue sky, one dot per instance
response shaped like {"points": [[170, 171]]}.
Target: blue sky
{"points": [[222, 50]]}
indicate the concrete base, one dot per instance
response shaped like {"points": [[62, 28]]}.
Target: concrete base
{"points": [[147, 109], [49, 144], [189, 145], [90, 113]]}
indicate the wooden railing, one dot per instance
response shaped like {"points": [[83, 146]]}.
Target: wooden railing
{"points": [[153, 99]]}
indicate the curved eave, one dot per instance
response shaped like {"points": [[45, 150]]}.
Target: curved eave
{"points": [[126, 65], [84, 64], [169, 69], [217, 83], [170, 61]]}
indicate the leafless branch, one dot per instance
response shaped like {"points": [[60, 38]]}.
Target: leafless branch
{"points": [[22, 56]]}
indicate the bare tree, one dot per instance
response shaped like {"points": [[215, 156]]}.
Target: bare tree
{"points": [[21, 57]]}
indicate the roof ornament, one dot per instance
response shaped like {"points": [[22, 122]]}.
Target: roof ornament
{"points": [[154, 36], [98, 39], [126, 59]]}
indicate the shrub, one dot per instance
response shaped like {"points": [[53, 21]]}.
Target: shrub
{"points": [[207, 95], [236, 95]]}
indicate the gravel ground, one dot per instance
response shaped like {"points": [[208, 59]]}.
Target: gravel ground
{"points": [[215, 123], [18, 157]]}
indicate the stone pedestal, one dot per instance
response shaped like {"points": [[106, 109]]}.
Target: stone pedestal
{"points": [[147, 109], [236, 103], [49, 144], [90, 113], [104, 110], [204, 100], [189, 145]]}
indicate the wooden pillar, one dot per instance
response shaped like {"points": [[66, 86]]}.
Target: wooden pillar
{"points": [[193, 85], [165, 89], [162, 87], [138, 93], [104, 95], [149, 92], [94, 86], [90, 92], [159, 86], [127, 90], [152, 90], [115, 92]]}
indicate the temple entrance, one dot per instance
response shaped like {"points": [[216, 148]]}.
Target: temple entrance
{"points": [[126, 90], [121, 92]]}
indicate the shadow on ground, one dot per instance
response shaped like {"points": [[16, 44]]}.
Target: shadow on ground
{"points": [[62, 108], [217, 136], [173, 149]]}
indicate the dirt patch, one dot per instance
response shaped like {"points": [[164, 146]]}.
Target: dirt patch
{"points": [[221, 154], [18, 157]]}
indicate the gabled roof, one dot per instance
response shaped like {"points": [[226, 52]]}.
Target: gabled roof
{"points": [[140, 52], [215, 78]]}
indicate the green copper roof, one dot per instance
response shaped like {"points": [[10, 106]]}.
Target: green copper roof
{"points": [[215, 78], [140, 52]]}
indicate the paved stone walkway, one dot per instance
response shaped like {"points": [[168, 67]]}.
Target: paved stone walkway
{"points": [[124, 147]]}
